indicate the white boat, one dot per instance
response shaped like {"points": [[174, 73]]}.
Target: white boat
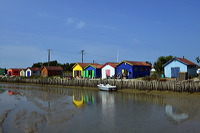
{"points": [[106, 87]]}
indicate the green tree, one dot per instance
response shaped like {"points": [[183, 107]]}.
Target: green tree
{"points": [[198, 60], [65, 66], [158, 65]]}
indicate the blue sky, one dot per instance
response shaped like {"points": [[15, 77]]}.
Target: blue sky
{"points": [[140, 30]]}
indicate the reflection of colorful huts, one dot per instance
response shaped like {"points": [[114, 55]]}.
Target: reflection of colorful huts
{"points": [[108, 70], [51, 71], [176, 65], [13, 72], [22, 73], [133, 69], [92, 71], [78, 69], [33, 71], [78, 100]]}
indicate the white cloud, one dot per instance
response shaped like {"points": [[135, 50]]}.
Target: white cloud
{"points": [[70, 21], [75, 23], [80, 25]]}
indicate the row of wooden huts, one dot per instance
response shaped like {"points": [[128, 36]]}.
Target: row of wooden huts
{"points": [[32, 71], [134, 69], [124, 69]]}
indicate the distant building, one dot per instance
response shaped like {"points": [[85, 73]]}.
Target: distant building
{"points": [[14, 71], [51, 71], [133, 69], [176, 65], [153, 69], [33, 71], [22, 73]]}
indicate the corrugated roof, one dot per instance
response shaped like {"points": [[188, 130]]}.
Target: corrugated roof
{"points": [[113, 64], [137, 63], [34, 68], [96, 65], [16, 69], [183, 60], [186, 61], [83, 65], [58, 68]]}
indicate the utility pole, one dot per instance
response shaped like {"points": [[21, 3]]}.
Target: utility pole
{"points": [[118, 56], [82, 52], [49, 50]]}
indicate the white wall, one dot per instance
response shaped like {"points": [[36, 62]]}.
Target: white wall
{"points": [[107, 67]]}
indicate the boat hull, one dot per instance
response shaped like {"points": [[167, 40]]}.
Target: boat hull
{"points": [[106, 87]]}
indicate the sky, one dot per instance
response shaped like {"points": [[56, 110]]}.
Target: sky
{"points": [[107, 30]]}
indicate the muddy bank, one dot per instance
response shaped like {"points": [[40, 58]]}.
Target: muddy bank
{"points": [[2, 119]]}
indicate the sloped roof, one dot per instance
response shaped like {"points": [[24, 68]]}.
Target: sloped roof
{"points": [[182, 60], [23, 69], [186, 61], [34, 68], [17, 69], [83, 65], [113, 64], [136, 63], [94, 65], [55, 68]]}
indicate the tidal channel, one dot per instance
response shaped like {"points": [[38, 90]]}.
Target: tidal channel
{"points": [[50, 109]]}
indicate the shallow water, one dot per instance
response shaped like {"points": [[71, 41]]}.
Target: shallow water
{"points": [[53, 110]]}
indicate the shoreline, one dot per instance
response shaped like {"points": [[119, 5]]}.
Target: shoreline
{"points": [[167, 85], [125, 90]]}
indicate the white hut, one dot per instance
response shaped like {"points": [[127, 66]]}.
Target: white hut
{"points": [[108, 70], [32, 71], [22, 72]]}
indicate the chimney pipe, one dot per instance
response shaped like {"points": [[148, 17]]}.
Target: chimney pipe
{"points": [[183, 57]]}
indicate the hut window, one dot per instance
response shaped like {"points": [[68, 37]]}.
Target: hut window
{"points": [[15, 71], [141, 69], [136, 69]]}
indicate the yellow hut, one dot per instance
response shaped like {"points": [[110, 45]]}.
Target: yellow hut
{"points": [[78, 69]]}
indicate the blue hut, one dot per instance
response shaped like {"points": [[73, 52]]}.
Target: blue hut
{"points": [[133, 69], [92, 71], [176, 65]]}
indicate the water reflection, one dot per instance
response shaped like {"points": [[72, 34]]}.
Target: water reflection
{"points": [[1, 91], [51, 109], [108, 110], [78, 100], [175, 114], [13, 93]]}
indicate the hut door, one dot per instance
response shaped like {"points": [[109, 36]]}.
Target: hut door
{"points": [[28, 74], [107, 73], [174, 72], [78, 73], [9, 73], [90, 73]]}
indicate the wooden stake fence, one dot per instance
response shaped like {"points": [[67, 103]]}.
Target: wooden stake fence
{"points": [[177, 86]]}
